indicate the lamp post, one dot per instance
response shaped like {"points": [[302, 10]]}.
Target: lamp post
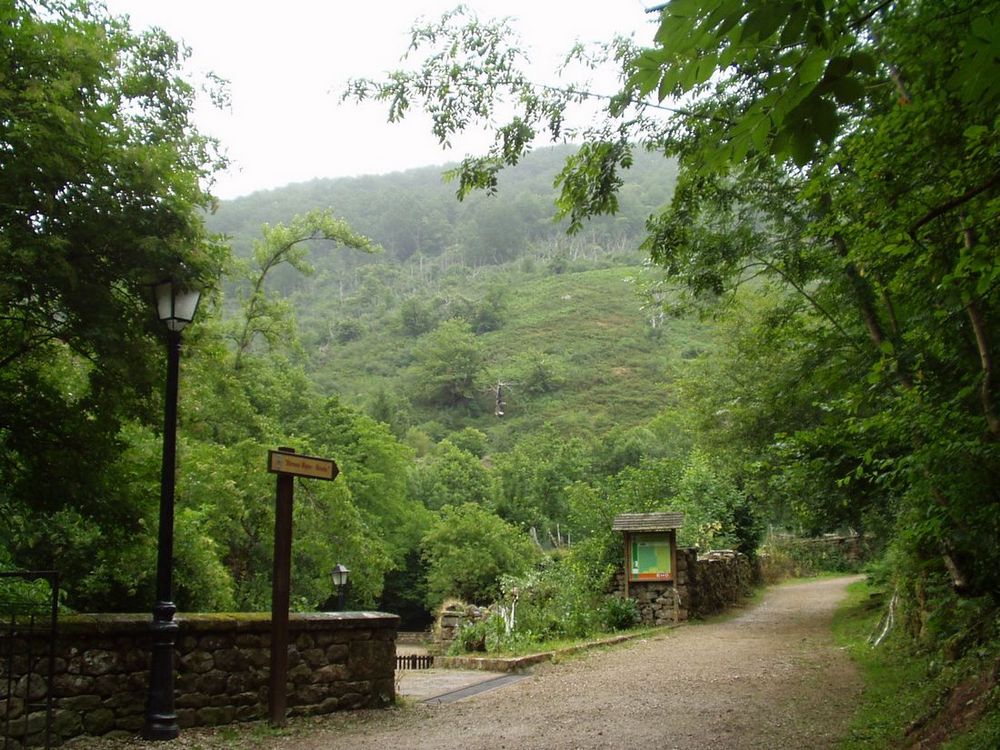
{"points": [[175, 307], [340, 574]]}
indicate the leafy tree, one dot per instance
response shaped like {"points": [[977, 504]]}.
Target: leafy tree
{"points": [[532, 479], [416, 316], [490, 312], [468, 549], [451, 476], [266, 315], [620, 448], [102, 194], [391, 409], [471, 440], [449, 363], [707, 497], [373, 466], [843, 154], [592, 508], [536, 373], [811, 142]]}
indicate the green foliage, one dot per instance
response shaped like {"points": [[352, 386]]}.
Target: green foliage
{"points": [[100, 196], [620, 613], [556, 600], [707, 497], [416, 316], [486, 635], [783, 557], [532, 479], [450, 476], [471, 440], [449, 364], [268, 316], [915, 696], [468, 549], [838, 181], [25, 597]]}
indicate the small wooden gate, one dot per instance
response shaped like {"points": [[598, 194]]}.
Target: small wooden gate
{"points": [[29, 608], [414, 661]]}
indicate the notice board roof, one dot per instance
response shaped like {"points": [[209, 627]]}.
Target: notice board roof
{"points": [[648, 521]]}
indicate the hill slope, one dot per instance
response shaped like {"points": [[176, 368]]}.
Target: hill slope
{"points": [[559, 319]]}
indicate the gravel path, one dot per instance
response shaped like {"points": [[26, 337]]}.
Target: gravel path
{"points": [[768, 678]]}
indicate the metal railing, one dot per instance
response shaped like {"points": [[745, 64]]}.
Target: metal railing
{"points": [[28, 626]]}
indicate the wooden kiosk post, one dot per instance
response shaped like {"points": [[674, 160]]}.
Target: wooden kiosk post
{"points": [[650, 545]]}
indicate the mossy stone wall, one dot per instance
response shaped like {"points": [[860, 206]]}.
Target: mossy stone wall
{"points": [[337, 661]]}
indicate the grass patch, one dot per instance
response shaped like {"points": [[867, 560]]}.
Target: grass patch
{"points": [[896, 688], [562, 644], [909, 696]]}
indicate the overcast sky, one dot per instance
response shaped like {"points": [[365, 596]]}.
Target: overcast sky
{"points": [[287, 62]]}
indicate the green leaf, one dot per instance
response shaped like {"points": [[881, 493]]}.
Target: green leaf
{"points": [[803, 147], [813, 66], [824, 119], [764, 22], [760, 132], [863, 62], [794, 27], [848, 90]]}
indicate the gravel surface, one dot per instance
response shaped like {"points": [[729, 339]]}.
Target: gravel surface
{"points": [[770, 677]]}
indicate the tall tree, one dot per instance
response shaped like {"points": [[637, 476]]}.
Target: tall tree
{"points": [[450, 361], [266, 315], [103, 188]]}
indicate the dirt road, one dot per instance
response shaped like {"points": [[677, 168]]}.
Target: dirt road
{"points": [[768, 678]]}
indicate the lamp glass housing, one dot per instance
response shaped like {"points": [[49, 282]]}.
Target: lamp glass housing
{"points": [[175, 306], [339, 575]]}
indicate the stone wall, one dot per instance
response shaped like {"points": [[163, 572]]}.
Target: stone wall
{"points": [[452, 617], [703, 585], [662, 602], [719, 580], [340, 660]]}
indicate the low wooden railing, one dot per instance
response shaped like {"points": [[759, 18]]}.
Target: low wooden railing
{"points": [[414, 661]]}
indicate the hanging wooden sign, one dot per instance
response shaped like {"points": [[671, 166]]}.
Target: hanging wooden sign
{"points": [[311, 467]]}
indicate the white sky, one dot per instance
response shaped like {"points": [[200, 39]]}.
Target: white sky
{"points": [[287, 62]]}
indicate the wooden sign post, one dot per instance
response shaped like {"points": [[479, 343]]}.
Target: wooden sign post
{"points": [[287, 464]]}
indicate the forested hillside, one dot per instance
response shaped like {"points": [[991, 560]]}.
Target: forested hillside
{"points": [[770, 299], [519, 366], [560, 323]]}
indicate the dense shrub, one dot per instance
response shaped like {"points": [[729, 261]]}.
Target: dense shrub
{"points": [[620, 613], [788, 557]]}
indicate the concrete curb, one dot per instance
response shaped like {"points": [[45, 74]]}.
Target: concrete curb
{"points": [[518, 663]]}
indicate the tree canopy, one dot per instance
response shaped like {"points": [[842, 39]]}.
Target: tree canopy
{"points": [[103, 185], [839, 185]]}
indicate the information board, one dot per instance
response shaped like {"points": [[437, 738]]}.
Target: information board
{"points": [[652, 557]]}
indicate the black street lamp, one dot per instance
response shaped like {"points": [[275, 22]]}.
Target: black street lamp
{"points": [[175, 306], [340, 574]]}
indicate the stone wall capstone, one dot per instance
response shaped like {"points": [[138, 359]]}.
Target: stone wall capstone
{"points": [[336, 661]]}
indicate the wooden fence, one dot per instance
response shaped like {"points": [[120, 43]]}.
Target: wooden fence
{"points": [[414, 661]]}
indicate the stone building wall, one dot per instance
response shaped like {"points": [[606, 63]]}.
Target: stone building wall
{"points": [[337, 661]]}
